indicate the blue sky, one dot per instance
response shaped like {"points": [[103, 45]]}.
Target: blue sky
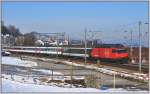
{"points": [[111, 18]]}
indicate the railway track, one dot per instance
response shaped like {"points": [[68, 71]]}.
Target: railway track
{"points": [[129, 66]]}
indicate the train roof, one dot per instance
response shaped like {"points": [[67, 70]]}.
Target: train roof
{"points": [[109, 45], [77, 46]]}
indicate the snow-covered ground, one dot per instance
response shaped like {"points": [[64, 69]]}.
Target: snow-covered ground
{"points": [[12, 86], [17, 62], [33, 83], [47, 71]]}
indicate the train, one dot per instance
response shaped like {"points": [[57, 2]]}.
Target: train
{"points": [[104, 52]]}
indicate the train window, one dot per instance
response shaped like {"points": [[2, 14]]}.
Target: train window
{"points": [[77, 51], [119, 51]]}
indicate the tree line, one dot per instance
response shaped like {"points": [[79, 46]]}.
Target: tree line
{"points": [[27, 39]]}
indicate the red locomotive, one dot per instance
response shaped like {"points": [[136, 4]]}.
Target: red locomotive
{"points": [[110, 52]]}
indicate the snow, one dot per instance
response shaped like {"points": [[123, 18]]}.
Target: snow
{"points": [[12, 86], [17, 62], [18, 78], [20, 83], [7, 53], [78, 77], [56, 75], [15, 83], [47, 71]]}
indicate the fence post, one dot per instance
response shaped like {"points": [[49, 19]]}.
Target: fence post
{"points": [[114, 80]]}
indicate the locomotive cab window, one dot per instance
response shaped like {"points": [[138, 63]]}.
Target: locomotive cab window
{"points": [[119, 51]]}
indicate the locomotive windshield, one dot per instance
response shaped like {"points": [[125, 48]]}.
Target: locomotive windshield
{"points": [[119, 51]]}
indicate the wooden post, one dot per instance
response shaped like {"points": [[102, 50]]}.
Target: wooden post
{"points": [[98, 62], [114, 80], [52, 74]]}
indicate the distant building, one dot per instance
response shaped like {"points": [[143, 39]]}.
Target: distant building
{"points": [[76, 42], [49, 40], [19, 41], [39, 43], [7, 40]]}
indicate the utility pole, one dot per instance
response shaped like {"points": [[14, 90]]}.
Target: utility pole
{"points": [[131, 50], [92, 38], [93, 33], [71, 69], [85, 42], [69, 44], [140, 47], [57, 45]]}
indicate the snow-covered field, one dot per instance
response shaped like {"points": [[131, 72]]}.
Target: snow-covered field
{"points": [[12, 86], [33, 83], [17, 62]]}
